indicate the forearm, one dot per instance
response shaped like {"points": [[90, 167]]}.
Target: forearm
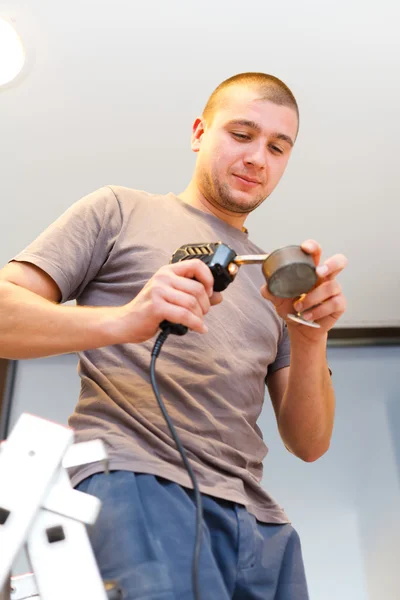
{"points": [[32, 327], [306, 413]]}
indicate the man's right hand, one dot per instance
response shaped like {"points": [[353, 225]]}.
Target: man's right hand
{"points": [[33, 324], [180, 293]]}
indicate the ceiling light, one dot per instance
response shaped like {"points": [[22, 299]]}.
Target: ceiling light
{"points": [[12, 54]]}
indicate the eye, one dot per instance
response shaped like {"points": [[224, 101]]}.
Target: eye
{"points": [[277, 149], [241, 136]]}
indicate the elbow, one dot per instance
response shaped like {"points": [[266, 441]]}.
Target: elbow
{"points": [[310, 455], [309, 458], [308, 446]]}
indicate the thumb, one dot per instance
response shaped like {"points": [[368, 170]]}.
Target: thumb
{"points": [[265, 292], [216, 298]]}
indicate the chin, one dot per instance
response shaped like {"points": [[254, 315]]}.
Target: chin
{"points": [[237, 205], [243, 198]]}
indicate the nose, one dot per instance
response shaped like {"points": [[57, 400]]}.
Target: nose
{"points": [[256, 156]]}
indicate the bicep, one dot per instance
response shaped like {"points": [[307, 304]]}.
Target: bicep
{"points": [[31, 277], [277, 383]]}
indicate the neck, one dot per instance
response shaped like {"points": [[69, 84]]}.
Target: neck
{"points": [[192, 195]]}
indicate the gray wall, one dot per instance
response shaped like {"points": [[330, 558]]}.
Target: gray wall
{"points": [[345, 506]]}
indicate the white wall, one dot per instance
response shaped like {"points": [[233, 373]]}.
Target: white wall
{"points": [[114, 87], [345, 506]]}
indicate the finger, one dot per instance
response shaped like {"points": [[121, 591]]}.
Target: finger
{"points": [[267, 294], [264, 292], [177, 314], [333, 308], [332, 266], [320, 294], [195, 269], [279, 303], [192, 287], [186, 301], [312, 247]]}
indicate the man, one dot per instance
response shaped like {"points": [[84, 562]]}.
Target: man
{"points": [[110, 251]]}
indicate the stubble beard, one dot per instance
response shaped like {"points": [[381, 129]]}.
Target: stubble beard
{"points": [[220, 195]]}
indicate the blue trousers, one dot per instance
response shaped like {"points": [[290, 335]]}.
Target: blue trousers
{"points": [[144, 539]]}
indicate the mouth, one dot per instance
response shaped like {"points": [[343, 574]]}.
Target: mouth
{"points": [[247, 181]]}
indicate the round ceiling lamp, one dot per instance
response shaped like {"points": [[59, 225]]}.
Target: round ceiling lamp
{"points": [[12, 53]]}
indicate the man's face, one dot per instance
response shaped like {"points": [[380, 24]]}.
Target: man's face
{"points": [[244, 152]]}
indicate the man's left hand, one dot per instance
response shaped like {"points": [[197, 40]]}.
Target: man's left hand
{"points": [[324, 304]]}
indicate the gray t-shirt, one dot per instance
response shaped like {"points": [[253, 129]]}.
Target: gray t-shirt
{"points": [[101, 252]]}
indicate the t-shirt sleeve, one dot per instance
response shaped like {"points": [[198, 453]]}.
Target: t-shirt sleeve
{"points": [[74, 248], [283, 354]]}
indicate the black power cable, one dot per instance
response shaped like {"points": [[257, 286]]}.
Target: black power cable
{"points": [[199, 508]]}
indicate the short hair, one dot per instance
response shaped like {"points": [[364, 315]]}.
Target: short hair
{"points": [[269, 87]]}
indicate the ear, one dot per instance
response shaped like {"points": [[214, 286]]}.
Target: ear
{"points": [[199, 127]]}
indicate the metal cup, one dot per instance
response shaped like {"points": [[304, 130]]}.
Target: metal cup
{"points": [[289, 272]]}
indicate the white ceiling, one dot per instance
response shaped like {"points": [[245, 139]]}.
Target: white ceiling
{"points": [[111, 88]]}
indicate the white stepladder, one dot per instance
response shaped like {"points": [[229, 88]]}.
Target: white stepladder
{"points": [[41, 512]]}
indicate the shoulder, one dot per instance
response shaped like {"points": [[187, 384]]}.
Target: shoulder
{"points": [[131, 199], [131, 195]]}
